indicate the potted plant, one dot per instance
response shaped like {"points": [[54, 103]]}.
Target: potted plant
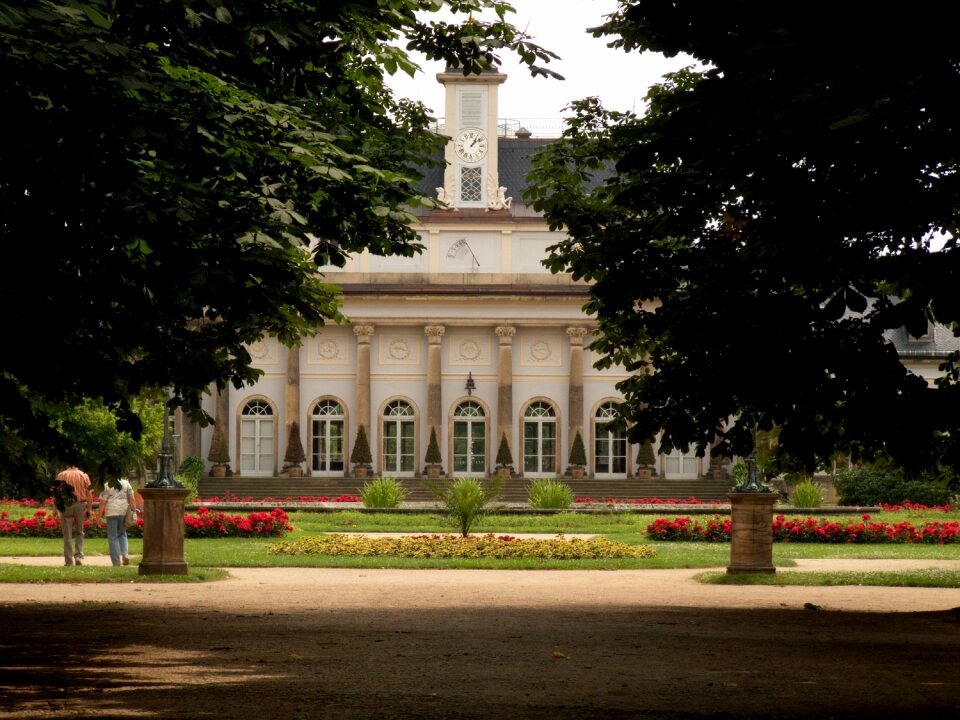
{"points": [[294, 454], [434, 460], [360, 458], [504, 458], [219, 453], [578, 457], [646, 461]]}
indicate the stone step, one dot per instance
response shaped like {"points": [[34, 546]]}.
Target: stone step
{"points": [[514, 489]]}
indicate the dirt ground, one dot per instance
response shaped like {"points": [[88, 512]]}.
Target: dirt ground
{"points": [[477, 645]]}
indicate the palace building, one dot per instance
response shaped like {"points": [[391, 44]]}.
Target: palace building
{"points": [[473, 341]]}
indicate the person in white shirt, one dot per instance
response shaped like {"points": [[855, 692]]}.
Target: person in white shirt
{"points": [[113, 508]]}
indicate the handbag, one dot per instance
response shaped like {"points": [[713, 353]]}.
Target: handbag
{"points": [[131, 518]]}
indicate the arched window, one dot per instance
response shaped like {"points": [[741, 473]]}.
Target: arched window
{"points": [[399, 438], [469, 439], [256, 438], [539, 439], [326, 437], [609, 448]]}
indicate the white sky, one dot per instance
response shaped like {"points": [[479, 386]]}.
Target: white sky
{"points": [[618, 78]]}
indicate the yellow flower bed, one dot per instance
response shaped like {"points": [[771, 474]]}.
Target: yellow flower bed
{"points": [[455, 546]]}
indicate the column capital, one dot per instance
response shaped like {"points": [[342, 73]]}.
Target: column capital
{"points": [[434, 333], [505, 333], [363, 333], [576, 335]]}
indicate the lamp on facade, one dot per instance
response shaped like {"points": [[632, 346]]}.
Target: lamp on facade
{"points": [[471, 385]]}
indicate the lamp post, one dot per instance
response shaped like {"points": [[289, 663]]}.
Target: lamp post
{"points": [[165, 478], [751, 514], [163, 524]]}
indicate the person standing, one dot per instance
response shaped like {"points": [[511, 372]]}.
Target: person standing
{"points": [[114, 503], [74, 488]]}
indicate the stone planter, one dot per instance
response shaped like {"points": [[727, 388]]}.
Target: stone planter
{"points": [[218, 471], [434, 471], [361, 471], [295, 471]]}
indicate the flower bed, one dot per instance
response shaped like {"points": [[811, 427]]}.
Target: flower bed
{"points": [[202, 524], [717, 529], [455, 546]]}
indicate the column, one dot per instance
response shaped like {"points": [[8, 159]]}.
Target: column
{"points": [[434, 335], [363, 333], [505, 335], [575, 397], [221, 416], [291, 394]]}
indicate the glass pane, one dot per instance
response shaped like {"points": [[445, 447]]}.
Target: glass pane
{"points": [[459, 463], [477, 464]]}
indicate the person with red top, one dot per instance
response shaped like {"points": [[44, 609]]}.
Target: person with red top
{"points": [[73, 485]]}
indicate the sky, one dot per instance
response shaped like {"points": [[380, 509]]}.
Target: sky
{"points": [[618, 78]]}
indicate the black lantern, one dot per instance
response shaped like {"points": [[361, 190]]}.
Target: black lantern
{"points": [[471, 385]]}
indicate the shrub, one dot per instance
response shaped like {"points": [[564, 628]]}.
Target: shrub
{"points": [[645, 455], [578, 454], [385, 492], [864, 486], [189, 475], [807, 494], [433, 449], [465, 499], [294, 454], [361, 449], [219, 451], [549, 493], [504, 456], [740, 471]]}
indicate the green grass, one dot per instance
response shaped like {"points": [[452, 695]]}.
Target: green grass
{"points": [[204, 555], [926, 577], [10, 573]]}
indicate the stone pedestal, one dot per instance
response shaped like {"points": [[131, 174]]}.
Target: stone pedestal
{"points": [[751, 532], [163, 531]]}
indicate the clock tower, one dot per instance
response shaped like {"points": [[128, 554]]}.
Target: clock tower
{"points": [[470, 179]]}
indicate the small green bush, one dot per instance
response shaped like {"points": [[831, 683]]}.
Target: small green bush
{"points": [[740, 471], [807, 494], [864, 486], [504, 456], [578, 454], [465, 499], [433, 449], [384, 492], [361, 449], [549, 493], [189, 474]]}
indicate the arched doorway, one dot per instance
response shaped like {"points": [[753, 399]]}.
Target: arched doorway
{"points": [[257, 438]]}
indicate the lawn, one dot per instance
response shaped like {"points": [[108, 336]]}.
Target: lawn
{"points": [[619, 526]]}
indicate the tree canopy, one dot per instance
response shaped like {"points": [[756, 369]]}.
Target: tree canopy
{"points": [[755, 237], [177, 170]]}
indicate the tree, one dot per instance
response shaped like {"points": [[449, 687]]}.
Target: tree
{"points": [[181, 169], [754, 238]]}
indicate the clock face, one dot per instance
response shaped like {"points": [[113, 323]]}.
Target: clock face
{"points": [[470, 145]]}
